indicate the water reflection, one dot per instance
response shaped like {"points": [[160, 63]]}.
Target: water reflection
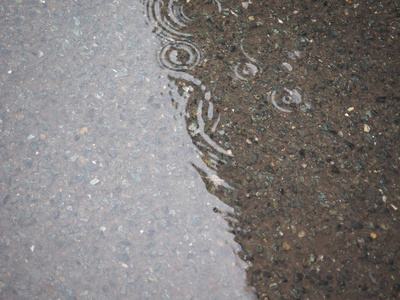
{"points": [[294, 97], [179, 54], [283, 100], [99, 199], [171, 56], [166, 20], [248, 69]]}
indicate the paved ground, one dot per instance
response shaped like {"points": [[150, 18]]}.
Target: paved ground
{"points": [[289, 111], [98, 195]]}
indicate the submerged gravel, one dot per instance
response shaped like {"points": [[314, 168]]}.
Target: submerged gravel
{"points": [[307, 95]]}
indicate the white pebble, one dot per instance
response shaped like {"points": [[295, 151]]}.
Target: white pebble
{"points": [[287, 66]]}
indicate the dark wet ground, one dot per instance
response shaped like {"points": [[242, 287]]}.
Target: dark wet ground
{"points": [[309, 99], [293, 107]]}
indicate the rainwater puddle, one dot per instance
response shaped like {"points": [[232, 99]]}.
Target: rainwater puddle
{"points": [[98, 195]]}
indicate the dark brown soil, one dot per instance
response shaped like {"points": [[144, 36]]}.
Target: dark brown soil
{"points": [[317, 189]]}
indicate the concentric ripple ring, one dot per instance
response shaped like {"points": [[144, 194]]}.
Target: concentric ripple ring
{"points": [[169, 56], [291, 97]]}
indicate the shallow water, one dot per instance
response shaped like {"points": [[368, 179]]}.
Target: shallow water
{"points": [[98, 194]]}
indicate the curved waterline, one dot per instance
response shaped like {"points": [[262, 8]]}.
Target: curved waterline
{"points": [[97, 178], [179, 54]]}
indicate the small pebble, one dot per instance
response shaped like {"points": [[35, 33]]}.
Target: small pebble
{"points": [[286, 246], [288, 66], [273, 286], [94, 181]]}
